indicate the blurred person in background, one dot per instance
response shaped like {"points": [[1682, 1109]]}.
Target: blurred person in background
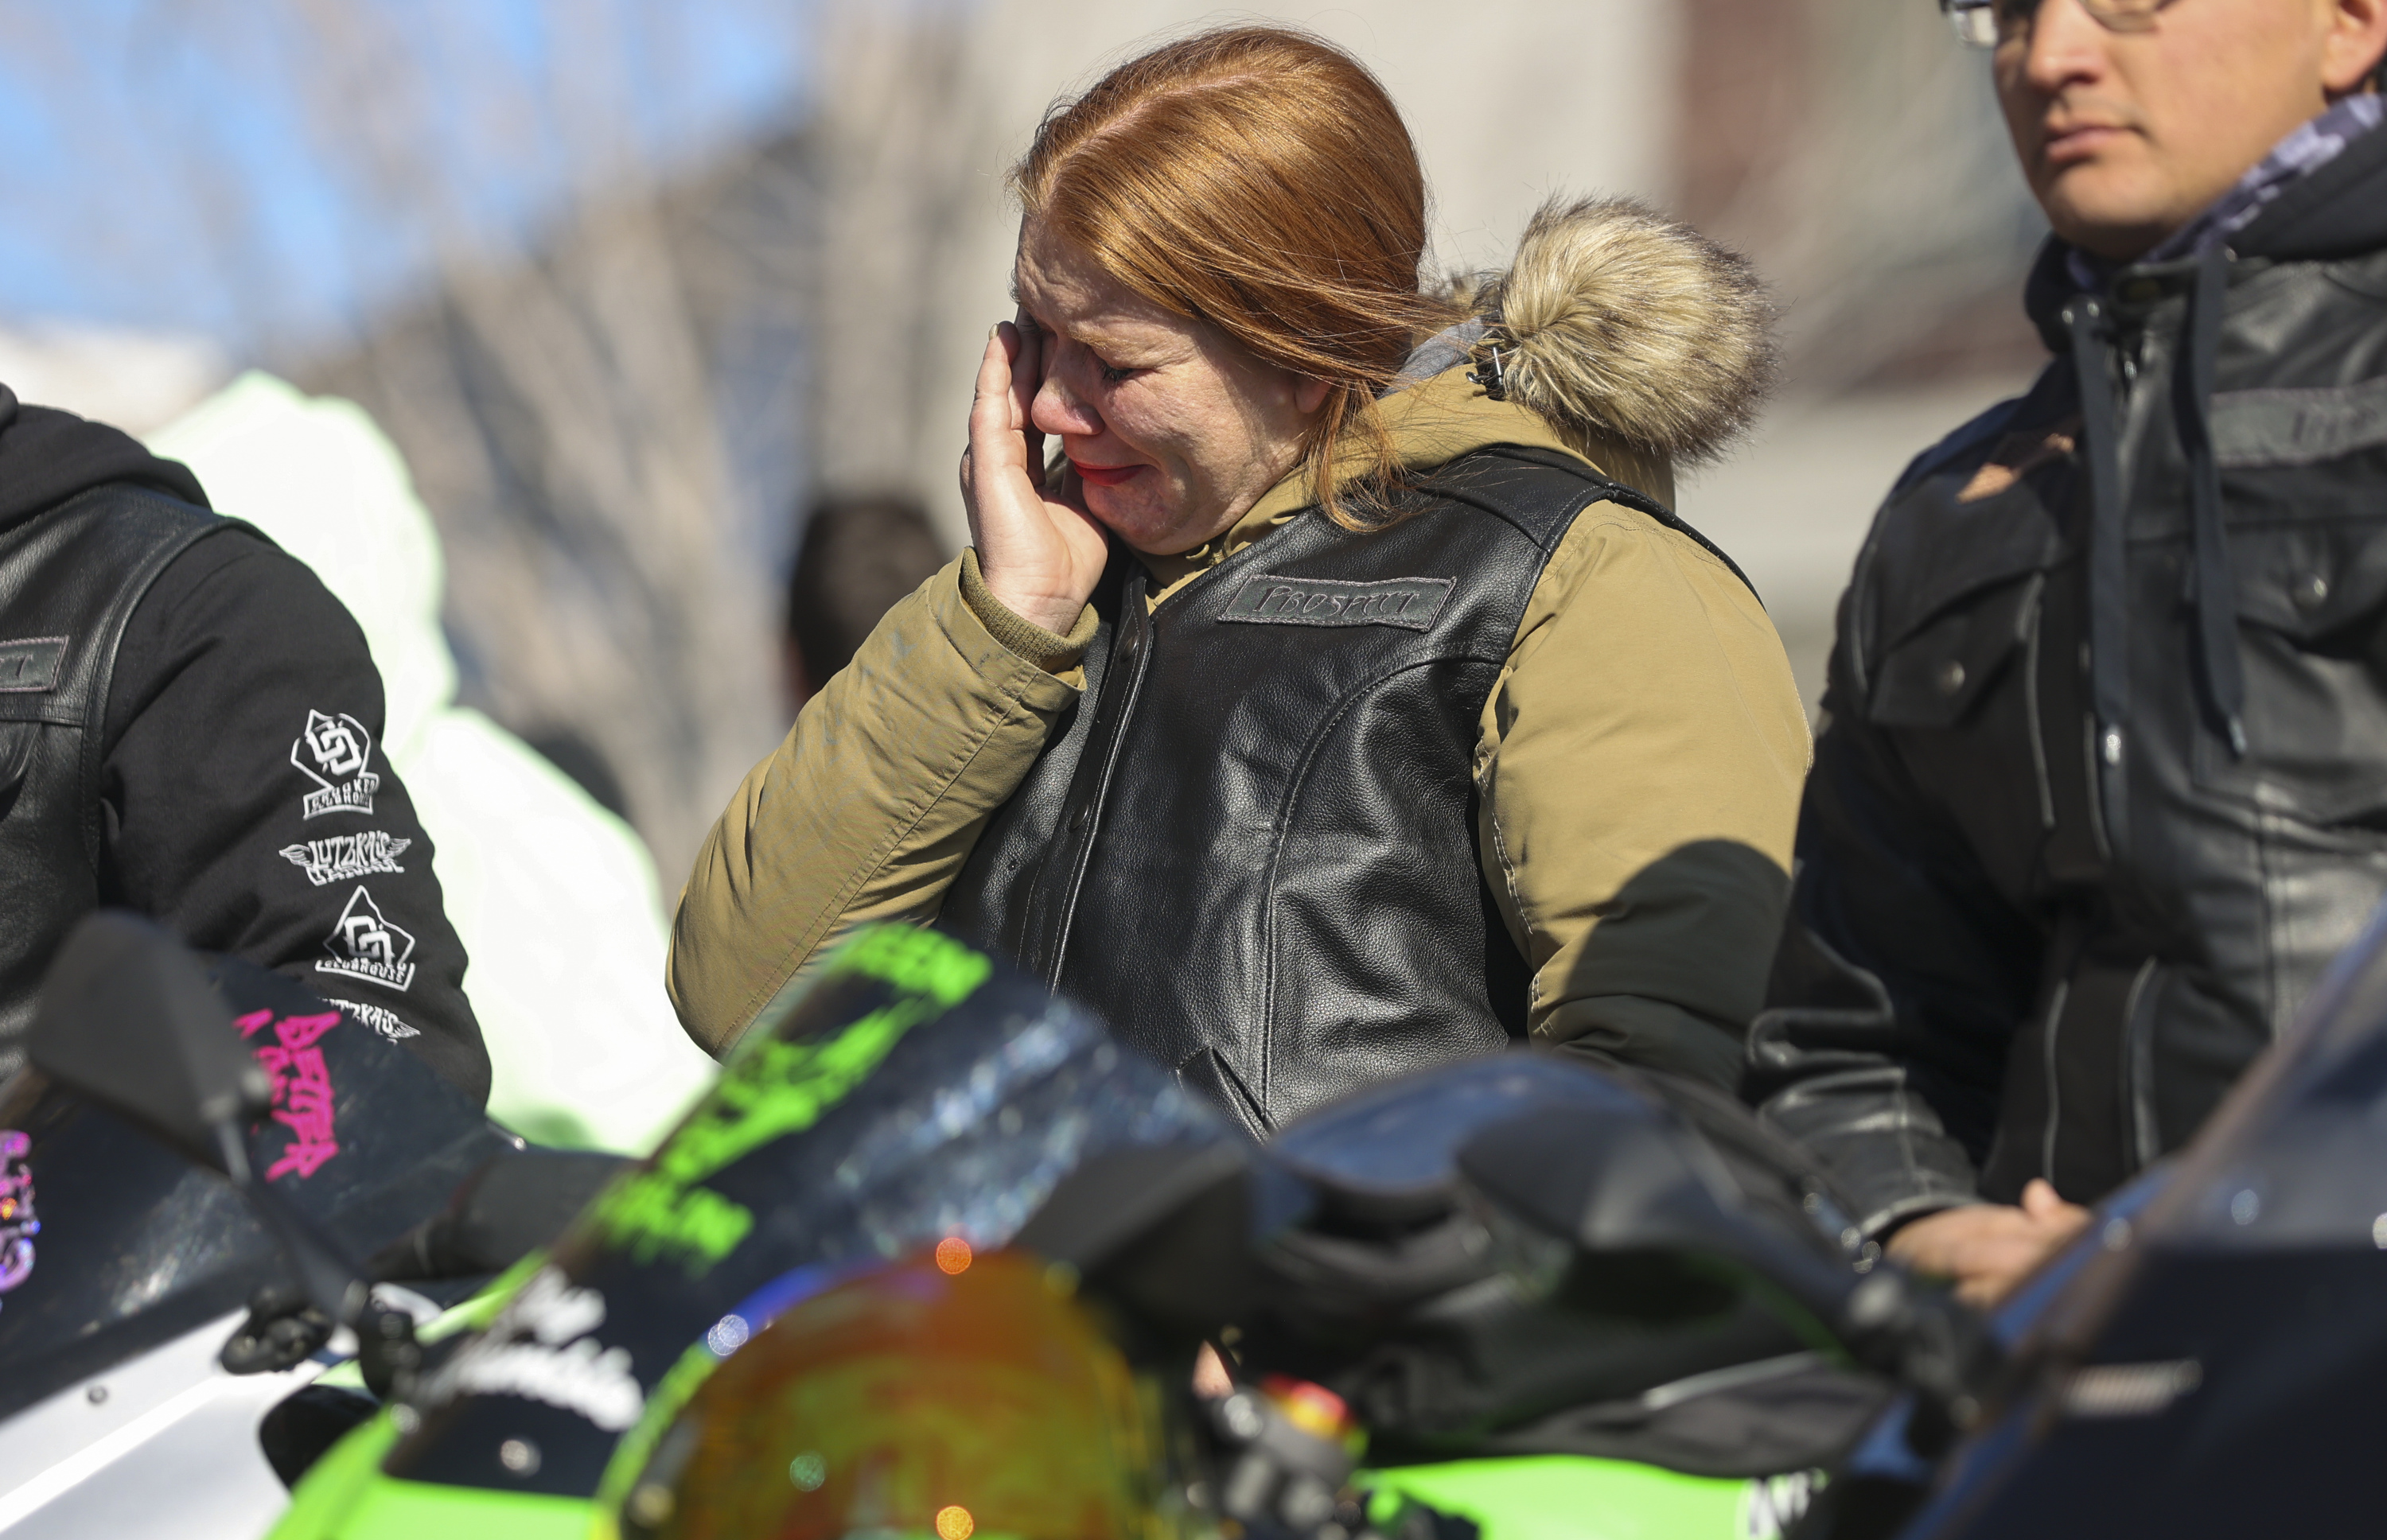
{"points": [[1321, 711], [2104, 783], [183, 706], [859, 557], [555, 896]]}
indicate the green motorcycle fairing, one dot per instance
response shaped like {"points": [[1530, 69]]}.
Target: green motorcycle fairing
{"points": [[1579, 1497], [876, 1108], [907, 1092]]}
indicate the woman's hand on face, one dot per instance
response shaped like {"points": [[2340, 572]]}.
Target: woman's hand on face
{"points": [[1039, 551]]}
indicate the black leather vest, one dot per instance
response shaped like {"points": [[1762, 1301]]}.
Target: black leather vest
{"points": [[1250, 847], [69, 579]]}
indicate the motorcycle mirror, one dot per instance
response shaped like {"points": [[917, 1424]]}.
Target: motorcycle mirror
{"points": [[1160, 1227], [127, 1020], [1622, 1183]]}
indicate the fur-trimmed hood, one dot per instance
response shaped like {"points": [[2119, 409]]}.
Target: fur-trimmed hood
{"points": [[1616, 323], [1621, 338]]}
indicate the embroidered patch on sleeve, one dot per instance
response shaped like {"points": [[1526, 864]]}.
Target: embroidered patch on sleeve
{"points": [[380, 1018], [1408, 602], [344, 857], [367, 946], [30, 667], [335, 752]]}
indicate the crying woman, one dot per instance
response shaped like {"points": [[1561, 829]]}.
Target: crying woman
{"points": [[1329, 691]]}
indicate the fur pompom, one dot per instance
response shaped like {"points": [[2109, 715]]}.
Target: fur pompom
{"points": [[1615, 321]]}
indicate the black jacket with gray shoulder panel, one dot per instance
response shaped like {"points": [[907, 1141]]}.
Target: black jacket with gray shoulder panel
{"points": [[2104, 783]]}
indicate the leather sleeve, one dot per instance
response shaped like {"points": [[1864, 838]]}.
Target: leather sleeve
{"points": [[1895, 991], [870, 807], [1639, 762], [246, 805]]}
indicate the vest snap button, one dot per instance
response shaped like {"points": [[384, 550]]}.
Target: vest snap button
{"points": [[1949, 678], [2310, 591]]}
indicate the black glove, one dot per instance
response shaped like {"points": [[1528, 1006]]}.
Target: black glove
{"points": [[282, 1330]]}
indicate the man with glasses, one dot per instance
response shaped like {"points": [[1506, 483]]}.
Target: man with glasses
{"points": [[2104, 785]]}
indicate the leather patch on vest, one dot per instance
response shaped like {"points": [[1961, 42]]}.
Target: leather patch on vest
{"points": [[1408, 602], [30, 667]]}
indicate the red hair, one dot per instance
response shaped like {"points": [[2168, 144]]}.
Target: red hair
{"points": [[1259, 179]]}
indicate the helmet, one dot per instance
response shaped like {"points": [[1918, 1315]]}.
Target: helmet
{"points": [[945, 1397]]}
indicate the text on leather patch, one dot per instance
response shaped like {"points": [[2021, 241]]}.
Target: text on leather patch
{"points": [[1408, 602], [30, 667]]}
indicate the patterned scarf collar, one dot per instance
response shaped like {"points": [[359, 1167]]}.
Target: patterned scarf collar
{"points": [[2312, 146]]}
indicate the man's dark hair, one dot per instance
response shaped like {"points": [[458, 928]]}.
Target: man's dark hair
{"points": [[860, 555]]}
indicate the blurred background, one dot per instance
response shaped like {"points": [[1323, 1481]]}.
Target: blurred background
{"points": [[634, 284]]}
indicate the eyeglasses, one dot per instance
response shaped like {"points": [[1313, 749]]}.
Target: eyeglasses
{"points": [[1987, 23]]}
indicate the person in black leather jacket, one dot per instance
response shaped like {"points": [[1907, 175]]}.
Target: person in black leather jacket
{"points": [[2104, 783], [190, 728]]}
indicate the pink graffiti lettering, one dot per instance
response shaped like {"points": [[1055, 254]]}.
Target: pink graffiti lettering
{"points": [[302, 1088], [19, 1222]]}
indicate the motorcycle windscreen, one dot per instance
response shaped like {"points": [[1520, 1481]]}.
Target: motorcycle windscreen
{"points": [[910, 1092], [111, 1244], [2213, 1365]]}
